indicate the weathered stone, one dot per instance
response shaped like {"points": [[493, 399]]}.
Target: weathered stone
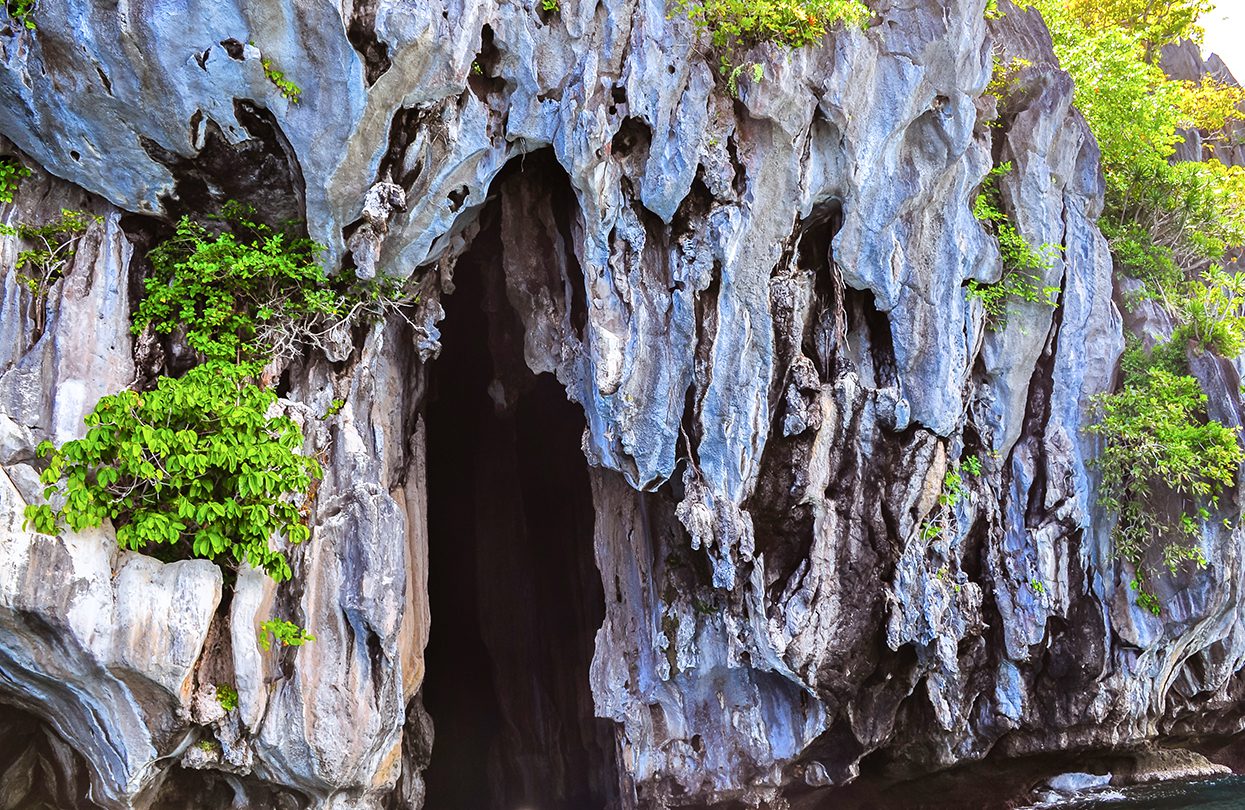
{"points": [[760, 305]]}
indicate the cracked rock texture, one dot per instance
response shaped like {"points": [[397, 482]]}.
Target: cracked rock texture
{"points": [[760, 306]]}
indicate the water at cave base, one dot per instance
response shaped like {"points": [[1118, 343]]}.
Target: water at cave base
{"points": [[1223, 793]]}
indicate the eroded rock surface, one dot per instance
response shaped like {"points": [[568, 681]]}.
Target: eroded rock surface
{"points": [[759, 304]]}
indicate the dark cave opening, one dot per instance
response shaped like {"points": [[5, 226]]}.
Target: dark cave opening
{"points": [[515, 595]]}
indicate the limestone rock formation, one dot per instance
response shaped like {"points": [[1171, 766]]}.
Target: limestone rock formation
{"points": [[709, 581]]}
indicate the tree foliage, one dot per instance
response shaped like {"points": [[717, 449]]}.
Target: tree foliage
{"points": [[1171, 224], [1155, 23]]}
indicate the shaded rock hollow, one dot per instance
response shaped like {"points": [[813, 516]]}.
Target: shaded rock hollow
{"points": [[702, 581]]}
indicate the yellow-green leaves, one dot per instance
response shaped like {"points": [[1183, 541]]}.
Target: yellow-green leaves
{"points": [[288, 89], [196, 466], [735, 24], [1159, 448], [20, 11], [287, 634], [794, 23], [11, 171], [1153, 23]]}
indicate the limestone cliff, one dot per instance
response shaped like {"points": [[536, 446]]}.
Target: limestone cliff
{"points": [[706, 581]]}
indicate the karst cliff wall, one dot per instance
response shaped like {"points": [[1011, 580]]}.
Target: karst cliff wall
{"points": [[758, 307]]}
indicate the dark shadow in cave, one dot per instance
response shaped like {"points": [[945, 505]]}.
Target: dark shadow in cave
{"points": [[515, 595]]}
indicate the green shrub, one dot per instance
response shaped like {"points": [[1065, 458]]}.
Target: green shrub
{"points": [[241, 295], [1159, 447], [11, 171], [287, 634], [195, 467], [1215, 312], [39, 267], [953, 489]]}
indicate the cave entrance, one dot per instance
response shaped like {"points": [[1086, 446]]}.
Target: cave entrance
{"points": [[515, 596]]}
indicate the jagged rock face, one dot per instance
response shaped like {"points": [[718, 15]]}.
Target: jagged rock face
{"points": [[759, 304]]}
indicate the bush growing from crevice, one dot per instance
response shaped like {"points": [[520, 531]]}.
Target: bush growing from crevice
{"points": [[247, 292], [1163, 462], [242, 295], [55, 243], [201, 466], [195, 468]]}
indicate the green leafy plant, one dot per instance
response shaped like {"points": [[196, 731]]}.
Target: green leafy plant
{"points": [[930, 531], [793, 23], [287, 634], [1145, 599], [1023, 266], [20, 11], [734, 25], [1163, 462], [550, 6], [1215, 312], [953, 489], [1154, 24], [240, 295], [1167, 221], [250, 293], [972, 466], [1037, 586], [11, 171], [288, 89], [195, 467], [334, 408], [227, 697], [41, 266], [208, 746]]}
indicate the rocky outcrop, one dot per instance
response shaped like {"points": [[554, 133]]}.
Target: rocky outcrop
{"points": [[760, 307]]}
